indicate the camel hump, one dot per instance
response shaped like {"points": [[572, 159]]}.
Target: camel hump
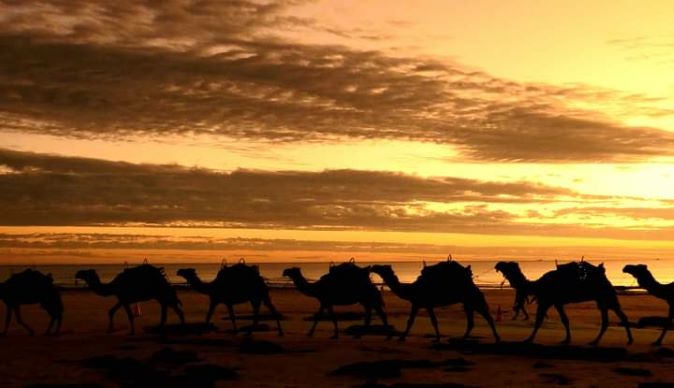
{"points": [[31, 277], [238, 271], [143, 273], [347, 271], [581, 270], [444, 270]]}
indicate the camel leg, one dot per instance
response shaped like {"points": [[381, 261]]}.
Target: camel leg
{"points": [[484, 311], [52, 320], [367, 321], [565, 322], [179, 312], [434, 322], [129, 316], [316, 318], [272, 310], [111, 316], [470, 321], [604, 324], [410, 322], [334, 322], [19, 320], [382, 316], [211, 310], [525, 313], [540, 315], [8, 318], [256, 313], [625, 322], [232, 317], [658, 342], [163, 316], [516, 310]]}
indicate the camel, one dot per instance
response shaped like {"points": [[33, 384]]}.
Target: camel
{"points": [[571, 283], [239, 283], [521, 286], [133, 285], [345, 284], [430, 294], [31, 287], [655, 288]]}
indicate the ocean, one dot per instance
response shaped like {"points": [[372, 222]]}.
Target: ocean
{"points": [[483, 271]]}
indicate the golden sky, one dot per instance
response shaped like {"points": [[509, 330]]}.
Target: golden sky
{"points": [[377, 128]]}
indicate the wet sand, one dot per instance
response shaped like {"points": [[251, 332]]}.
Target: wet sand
{"points": [[296, 360]]}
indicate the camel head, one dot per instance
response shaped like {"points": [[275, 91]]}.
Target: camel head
{"points": [[636, 270], [507, 267], [187, 273], [87, 275], [382, 269], [292, 272]]}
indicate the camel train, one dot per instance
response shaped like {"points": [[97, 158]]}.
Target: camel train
{"points": [[441, 284]]}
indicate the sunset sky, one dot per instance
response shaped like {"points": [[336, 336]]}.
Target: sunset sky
{"points": [[320, 130]]}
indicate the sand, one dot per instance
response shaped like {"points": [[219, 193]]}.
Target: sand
{"points": [[85, 354]]}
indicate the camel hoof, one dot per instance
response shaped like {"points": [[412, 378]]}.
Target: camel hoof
{"points": [[402, 338], [593, 343], [564, 342], [334, 337], [630, 341], [657, 343], [497, 339]]}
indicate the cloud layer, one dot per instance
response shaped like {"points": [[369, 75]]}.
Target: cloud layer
{"points": [[51, 190], [121, 70], [40, 189]]}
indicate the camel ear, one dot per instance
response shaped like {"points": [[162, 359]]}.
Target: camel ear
{"points": [[424, 263], [352, 260], [449, 258], [468, 267], [601, 265], [332, 264]]}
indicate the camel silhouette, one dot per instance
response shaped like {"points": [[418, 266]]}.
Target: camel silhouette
{"points": [[521, 286], [571, 283], [235, 284], [441, 284], [133, 285], [647, 281], [344, 284], [31, 287]]}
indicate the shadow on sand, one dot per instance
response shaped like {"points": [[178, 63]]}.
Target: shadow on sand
{"points": [[161, 368], [559, 352]]}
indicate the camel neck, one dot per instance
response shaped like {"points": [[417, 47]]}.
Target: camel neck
{"points": [[303, 285], [518, 280], [100, 288], [393, 282], [198, 285], [648, 282]]}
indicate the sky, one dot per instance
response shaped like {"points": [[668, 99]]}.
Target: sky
{"points": [[321, 130]]}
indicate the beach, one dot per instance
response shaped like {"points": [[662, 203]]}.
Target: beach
{"points": [[265, 359]]}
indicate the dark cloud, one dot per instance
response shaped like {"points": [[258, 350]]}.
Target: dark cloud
{"points": [[119, 70], [51, 190]]}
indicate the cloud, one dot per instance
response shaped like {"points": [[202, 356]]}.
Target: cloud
{"points": [[52, 190], [118, 70]]}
